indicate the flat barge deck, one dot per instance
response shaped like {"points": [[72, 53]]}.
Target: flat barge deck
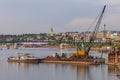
{"points": [[73, 61]]}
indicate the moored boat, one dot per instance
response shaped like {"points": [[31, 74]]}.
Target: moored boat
{"points": [[26, 58]]}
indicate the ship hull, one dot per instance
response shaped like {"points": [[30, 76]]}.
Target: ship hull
{"points": [[24, 61], [70, 61]]}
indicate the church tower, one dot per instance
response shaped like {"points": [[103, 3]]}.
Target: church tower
{"points": [[51, 32]]}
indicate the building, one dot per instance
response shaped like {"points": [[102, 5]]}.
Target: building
{"points": [[114, 57]]}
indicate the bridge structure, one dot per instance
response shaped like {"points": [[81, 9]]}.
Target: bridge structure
{"points": [[81, 43], [34, 43]]}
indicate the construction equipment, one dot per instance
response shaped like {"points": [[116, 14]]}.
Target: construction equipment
{"points": [[83, 50], [96, 29]]}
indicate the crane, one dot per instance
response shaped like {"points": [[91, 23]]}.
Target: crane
{"points": [[96, 29]]}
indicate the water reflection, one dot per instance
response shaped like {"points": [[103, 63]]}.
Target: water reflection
{"points": [[68, 71], [82, 72], [96, 73], [112, 69], [23, 65], [44, 71]]}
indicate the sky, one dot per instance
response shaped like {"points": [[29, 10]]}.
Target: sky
{"points": [[38, 16]]}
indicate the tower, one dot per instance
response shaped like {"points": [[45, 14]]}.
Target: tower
{"points": [[51, 32]]}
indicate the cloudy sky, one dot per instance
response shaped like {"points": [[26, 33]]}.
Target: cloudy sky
{"points": [[37, 16]]}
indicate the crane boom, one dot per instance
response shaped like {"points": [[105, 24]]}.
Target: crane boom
{"points": [[99, 21], [96, 28]]}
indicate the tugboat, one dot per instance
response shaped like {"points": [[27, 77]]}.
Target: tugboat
{"points": [[25, 58]]}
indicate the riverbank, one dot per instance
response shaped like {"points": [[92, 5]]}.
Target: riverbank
{"points": [[92, 49]]}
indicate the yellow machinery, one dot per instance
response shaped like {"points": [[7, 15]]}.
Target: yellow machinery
{"points": [[78, 54], [72, 55], [81, 53]]}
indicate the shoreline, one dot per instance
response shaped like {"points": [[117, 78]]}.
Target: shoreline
{"points": [[92, 49]]}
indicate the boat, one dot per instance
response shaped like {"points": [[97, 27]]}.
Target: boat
{"points": [[24, 58]]}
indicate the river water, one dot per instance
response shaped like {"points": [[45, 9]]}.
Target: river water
{"points": [[45, 71]]}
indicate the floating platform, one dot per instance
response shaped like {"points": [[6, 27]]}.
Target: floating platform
{"points": [[73, 61]]}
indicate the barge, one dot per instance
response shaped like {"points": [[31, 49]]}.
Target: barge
{"points": [[73, 59]]}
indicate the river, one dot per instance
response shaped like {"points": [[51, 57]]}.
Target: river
{"points": [[45, 71]]}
